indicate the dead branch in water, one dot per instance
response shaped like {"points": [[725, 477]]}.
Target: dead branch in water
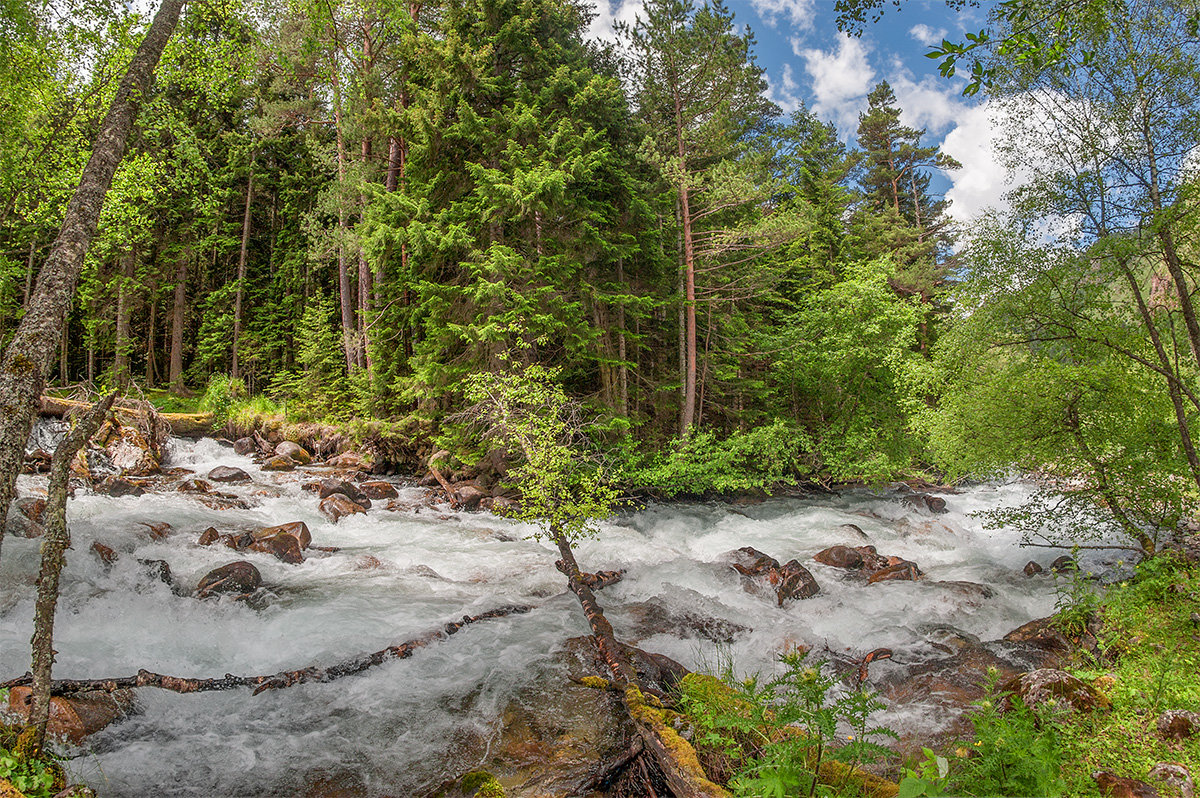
{"points": [[313, 673]]}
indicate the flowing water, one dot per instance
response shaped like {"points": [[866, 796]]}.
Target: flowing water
{"points": [[403, 727]]}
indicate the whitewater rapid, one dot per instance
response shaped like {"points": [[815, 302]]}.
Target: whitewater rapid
{"points": [[403, 727]]}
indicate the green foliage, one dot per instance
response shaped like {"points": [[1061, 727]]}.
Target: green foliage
{"points": [[1075, 601], [757, 459], [1015, 753], [526, 412], [36, 778], [929, 778], [220, 396], [773, 733]]}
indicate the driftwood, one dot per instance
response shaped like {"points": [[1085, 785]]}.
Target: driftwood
{"points": [[433, 469], [314, 673], [184, 424]]}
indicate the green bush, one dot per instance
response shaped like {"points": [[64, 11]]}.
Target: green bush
{"points": [[1015, 753], [220, 396]]}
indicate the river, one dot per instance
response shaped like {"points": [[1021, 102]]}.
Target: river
{"points": [[403, 727]]}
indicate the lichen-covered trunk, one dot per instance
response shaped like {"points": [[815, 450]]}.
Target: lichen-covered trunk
{"points": [[28, 356], [54, 548], [674, 755]]}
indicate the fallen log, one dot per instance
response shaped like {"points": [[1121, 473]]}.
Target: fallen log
{"points": [[187, 425], [313, 673]]}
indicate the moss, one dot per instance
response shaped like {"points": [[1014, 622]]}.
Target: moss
{"points": [[679, 749], [595, 682], [481, 784]]}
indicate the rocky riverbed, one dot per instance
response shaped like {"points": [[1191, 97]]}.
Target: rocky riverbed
{"points": [[335, 563]]}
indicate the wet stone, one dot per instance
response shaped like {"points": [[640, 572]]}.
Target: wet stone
{"points": [[209, 536], [158, 570], [378, 489], [228, 475], [117, 487], [294, 452], [793, 581], [279, 463], [238, 577], [1033, 569], [337, 506], [245, 446], [901, 571]]}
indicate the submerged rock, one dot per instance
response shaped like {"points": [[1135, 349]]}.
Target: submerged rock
{"points": [[296, 529], [793, 581], [749, 561], [282, 545], [901, 571], [239, 578], [840, 557], [117, 487]]}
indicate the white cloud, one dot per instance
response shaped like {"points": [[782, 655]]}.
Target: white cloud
{"points": [[932, 104], [610, 12], [841, 81], [926, 35], [785, 94], [798, 12], [983, 179]]}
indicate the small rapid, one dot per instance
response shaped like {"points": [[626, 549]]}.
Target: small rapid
{"points": [[405, 726]]}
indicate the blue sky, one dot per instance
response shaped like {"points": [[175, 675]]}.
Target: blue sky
{"points": [[807, 60]]}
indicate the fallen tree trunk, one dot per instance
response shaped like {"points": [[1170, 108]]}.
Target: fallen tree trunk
{"points": [[674, 756], [314, 673], [187, 425]]}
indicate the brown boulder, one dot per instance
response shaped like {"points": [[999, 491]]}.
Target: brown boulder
{"points": [[297, 529], [378, 489], [840, 557], [129, 451], [1115, 786], [1064, 563], [900, 571], [245, 446], [282, 545], [194, 486], [337, 506], [1176, 724], [468, 495], [294, 452], [228, 474], [749, 561], [1032, 568], [158, 529], [77, 716], [279, 463], [1175, 776], [117, 487], [332, 485], [793, 581], [1046, 686], [209, 536], [238, 577], [853, 530], [33, 508], [346, 460]]}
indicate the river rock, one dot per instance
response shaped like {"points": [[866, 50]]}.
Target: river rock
{"points": [[294, 451], [284, 546], [346, 460], [1114, 786], [33, 508], [279, 463], [158, 570], [297, 529], [331, 485], [130, 452], [107, 555], [1177, 724], [239, 578], [972, 591], [840, 557], [749, 561], [223, 501], [228, 474], [468, 495], [77, 716], [18, 525], [1064, 563], [793, 581], [1174, 775], [378, 489], [117, 487], [1041, 687], [656, 673], [209, 536], [653, 617], [194, 486], [502, 505], [854, 531], [245, 446], [1032, 568], [900, 571], [337, 506], [157, 529]]}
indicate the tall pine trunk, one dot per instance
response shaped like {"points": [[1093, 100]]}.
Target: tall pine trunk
{"points": [[235, 367], [121, 372], [178, 311], [27, 357]]}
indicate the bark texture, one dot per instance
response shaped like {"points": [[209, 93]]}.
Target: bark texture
{"points": [[54, 549], [29, 354]]}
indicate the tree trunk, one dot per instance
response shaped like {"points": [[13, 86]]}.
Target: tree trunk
{"points": [[178, 309], [623, 369], [58, 539], [27, 357], [235, 366], [121, 374], [29, 264], [151, 324], [364, 275], [688, 414], [346, 296]]}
